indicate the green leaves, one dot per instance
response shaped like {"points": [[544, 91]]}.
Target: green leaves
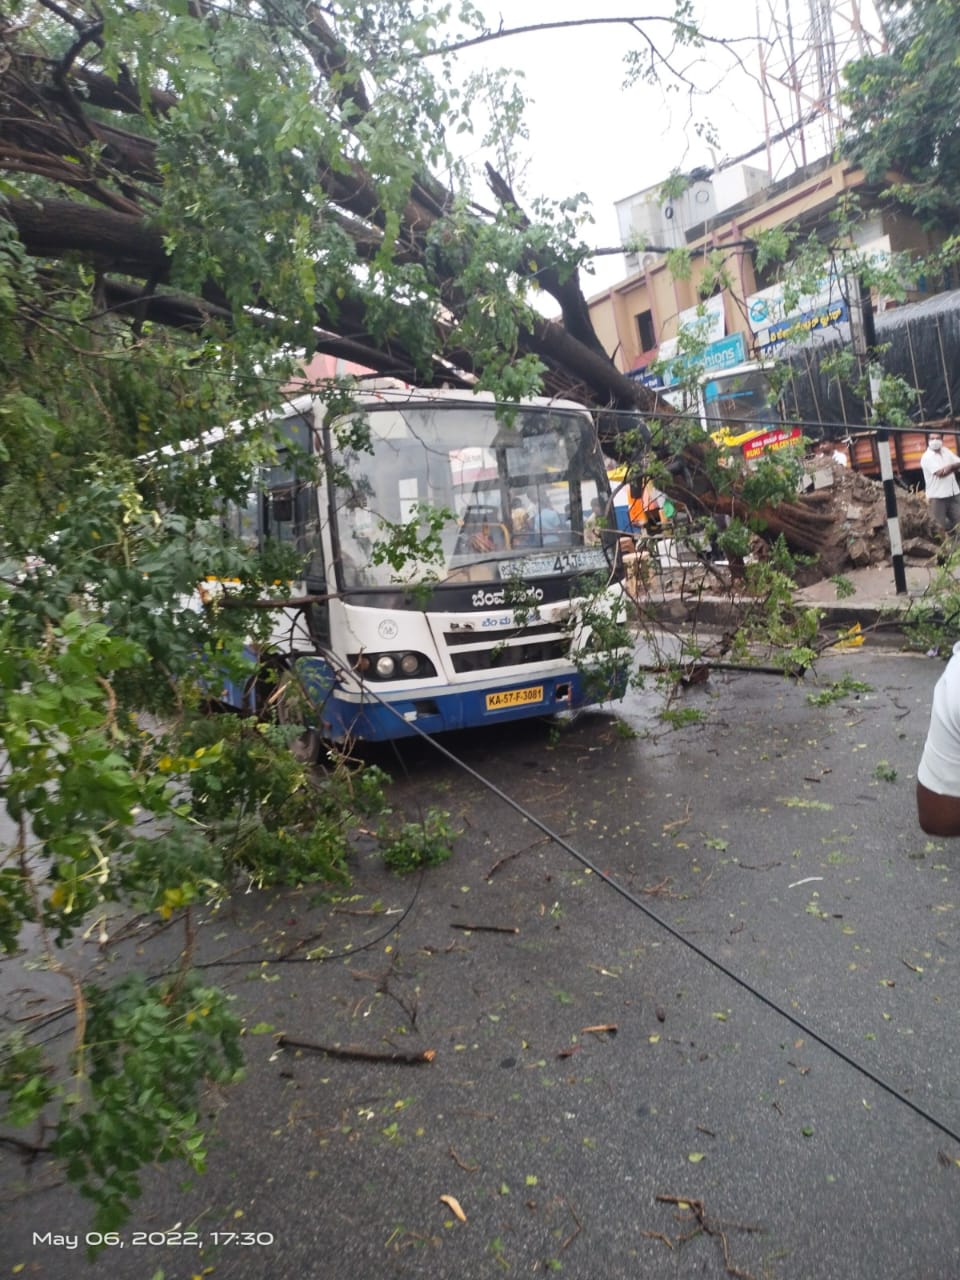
{"points": [[837, 690], [773, 246], [900, 106], [149, 1050], [413, 845], [24, 1080], [120, 788], [413, 546]]}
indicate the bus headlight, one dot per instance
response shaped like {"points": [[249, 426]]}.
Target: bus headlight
{"points": [[392, 666]]}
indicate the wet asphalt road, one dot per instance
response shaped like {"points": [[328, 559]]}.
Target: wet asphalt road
{"points": [[777, 836]]}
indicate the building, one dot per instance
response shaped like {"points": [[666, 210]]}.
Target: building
{"points": [[649, 218], [639, 321]]}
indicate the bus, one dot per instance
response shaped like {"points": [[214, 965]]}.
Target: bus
{"points": [[740, 409], [492, 625]]}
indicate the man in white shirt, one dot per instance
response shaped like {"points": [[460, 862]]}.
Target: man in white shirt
{"points": [[938, 775], [939, 466]]}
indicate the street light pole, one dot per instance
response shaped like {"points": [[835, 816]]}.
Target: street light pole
{"points": [[864, 335]]}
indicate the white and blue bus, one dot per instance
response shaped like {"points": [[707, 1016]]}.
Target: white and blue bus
{"points": [[488, 627]]}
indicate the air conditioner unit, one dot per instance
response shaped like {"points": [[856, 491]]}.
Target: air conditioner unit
{"points": [[648, 260]]}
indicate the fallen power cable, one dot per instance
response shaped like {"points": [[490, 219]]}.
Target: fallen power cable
{"points": [[663, 924]]}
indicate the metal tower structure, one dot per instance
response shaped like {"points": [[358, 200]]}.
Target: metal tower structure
{"points": [[804, 46]]}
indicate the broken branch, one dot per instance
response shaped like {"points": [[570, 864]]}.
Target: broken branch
{"points": [[698, 1213], [570, 1239], [359, 1053]]}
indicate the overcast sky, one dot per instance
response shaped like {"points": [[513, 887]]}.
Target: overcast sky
{"points": [[588, 133]]}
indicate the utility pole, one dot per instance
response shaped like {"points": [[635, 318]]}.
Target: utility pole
{"points": [[864, 335]]}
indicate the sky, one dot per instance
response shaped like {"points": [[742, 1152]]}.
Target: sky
{"points": [[588, 133]]}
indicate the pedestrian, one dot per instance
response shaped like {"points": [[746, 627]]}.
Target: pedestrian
{"points": [[940, 466], [938, 774]]}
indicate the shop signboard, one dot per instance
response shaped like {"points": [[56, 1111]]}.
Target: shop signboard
{"points": [[716, 357], [770, 441], [707, 320], [646, 378], [791, 329]]}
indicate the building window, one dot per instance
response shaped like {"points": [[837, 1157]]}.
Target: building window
{"points": [[648, 334]]}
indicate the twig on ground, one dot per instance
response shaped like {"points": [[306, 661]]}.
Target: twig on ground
{"points": [[31, 1149], [467, 1168], [658, 1235], [508, 857], [656, 890], [678, 822], [414, 1059], [570, 1239], [698, 1214]]}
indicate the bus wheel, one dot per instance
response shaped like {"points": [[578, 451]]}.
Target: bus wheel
{"points": [[307, 747]]}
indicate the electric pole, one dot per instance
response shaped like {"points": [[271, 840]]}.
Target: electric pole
{"points": [[864, 336]]}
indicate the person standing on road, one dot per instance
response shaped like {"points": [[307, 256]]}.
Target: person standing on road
{"points": [[938, 775], [940, 466]]}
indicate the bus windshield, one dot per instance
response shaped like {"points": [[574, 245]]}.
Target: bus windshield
{"points": [[739, 403], [519, 500]]}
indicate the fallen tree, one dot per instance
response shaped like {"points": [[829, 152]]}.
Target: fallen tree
{"points": [[105, 137], [393, 271]]}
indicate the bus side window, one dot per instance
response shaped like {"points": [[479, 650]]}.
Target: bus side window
{"points": [[318, 611], [244, 522], [281, 507], [286, 515]]}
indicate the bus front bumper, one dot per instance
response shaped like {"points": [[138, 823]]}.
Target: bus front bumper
{"points": [[368, 715]]}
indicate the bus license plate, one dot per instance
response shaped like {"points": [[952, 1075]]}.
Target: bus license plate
{"points": [[514, 697], [582, 560]]}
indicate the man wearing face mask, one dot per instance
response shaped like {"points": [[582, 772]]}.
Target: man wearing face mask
{"points": [[940, 466]]}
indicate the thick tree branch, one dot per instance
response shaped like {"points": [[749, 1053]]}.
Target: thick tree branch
{"points": [[190, 313], [118, 241], [564, 287], [608, 386]]}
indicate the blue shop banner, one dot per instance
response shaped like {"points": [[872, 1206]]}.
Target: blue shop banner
{"points": [[716, 357], [648, 379], [793, 329]]}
